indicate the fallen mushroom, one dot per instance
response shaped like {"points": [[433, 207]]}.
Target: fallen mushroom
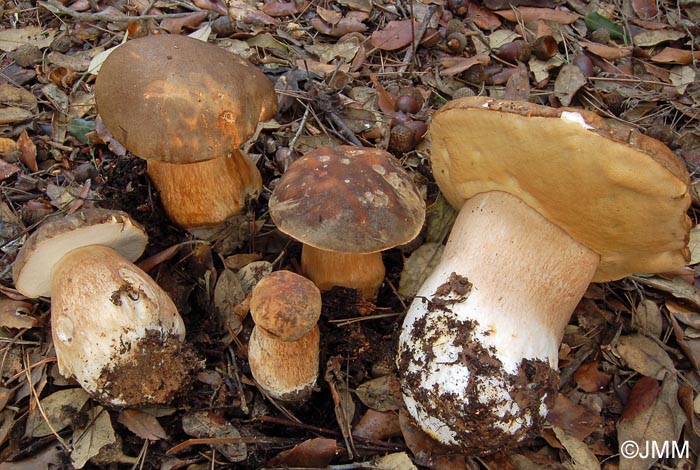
{"points": [[549, 200], [186, 107], [283, 350], [347, 204], [114, 329]]}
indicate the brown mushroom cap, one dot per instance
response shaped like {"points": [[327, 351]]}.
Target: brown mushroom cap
{"points": [[32, 270], [180, 100], [621, 194], [285, 305], [349, 199]]}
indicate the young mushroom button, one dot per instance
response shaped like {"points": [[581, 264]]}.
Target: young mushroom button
{"points": [[114, 329], [186, 107], [550, 200], [347, 204], [283, 350]]}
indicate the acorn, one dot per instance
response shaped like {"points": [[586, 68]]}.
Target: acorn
{"points": [[414, 93], [584, 63], [545, 47], [463, 92], [515, 51], [458, 7], [456, 42], [455, 25], [407, 104], [431, 38], [401, 138], [601, 36]]}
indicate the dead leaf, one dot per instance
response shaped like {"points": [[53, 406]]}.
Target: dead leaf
{"points": [[655, 37], [646, 318], [518, 84], [418, 266], [607, 52], [455, 65], [331, 17], [381, 394], [643, 395], [576, 420], [60, 408], [88, 441], [395, 35], [659, 424], [676, 287], [351, 23], [483, 18], [645, 9], [203, 424], [589, 379], [569, 81], [240, 10], [683, 314], [581, 455], [277, 9], [687, 403], [671, 55], [27, 151], [387, 101], [11, 39], [377, 425], [644, 356], [14, 313], [143, 424], [312, 453], [396, 461], [531, 14], [189, 21]]}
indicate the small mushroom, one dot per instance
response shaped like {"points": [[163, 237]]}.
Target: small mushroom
{"points": [[114, 329], [283, 350], [347, 204], [186, 106], [549, 200]]}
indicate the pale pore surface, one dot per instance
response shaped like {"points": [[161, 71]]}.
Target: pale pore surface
{"points": [[627, 205]]}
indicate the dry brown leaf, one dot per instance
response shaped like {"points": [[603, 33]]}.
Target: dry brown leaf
{"points": [[27, 151], [277, 9], [97, 434], [607, 52], [395, 35], [203, 424], [646, 319], [685, 315], [645, 356], [312, 453], [11, 39], [645, 9], [189, 21], [671, 55], [61, 408], [351, 23], [655, 37], [518, 84], [241, 11], [381, 394], [483, 18], [676, 287], [576, 420], [387, 101], [531, 14], [212, 5], [7, 169], [143, 424], [331, 17], [581, 455], [643, 394], [377, 425], [455, 65], [14, 313], [687, 403], [589, 379], [660, 423]]}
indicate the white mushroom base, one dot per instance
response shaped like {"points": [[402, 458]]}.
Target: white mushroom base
{"points": [[478, 350], [115, 330]]}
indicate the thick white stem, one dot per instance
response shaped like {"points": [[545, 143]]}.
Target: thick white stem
{"points": [[478, 349]]}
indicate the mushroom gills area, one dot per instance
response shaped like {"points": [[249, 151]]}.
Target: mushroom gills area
{"points": [[362, 271], [478, 349], [115, 330]]}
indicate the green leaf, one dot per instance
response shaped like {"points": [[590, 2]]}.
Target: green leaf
{"points": [[594, 21], [78, 128]]}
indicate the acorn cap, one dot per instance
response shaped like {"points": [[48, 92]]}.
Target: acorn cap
{"points": [[180, 100], [348, 199], [32, 270], [619, 193], [285, 305]]}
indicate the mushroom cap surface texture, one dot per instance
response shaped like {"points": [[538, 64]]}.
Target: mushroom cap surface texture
{"points": [[285, 305], [32, 270], [348, 199], [176, 99], [619, 193]]}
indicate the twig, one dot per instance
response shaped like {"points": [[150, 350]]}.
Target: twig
{"points": [[56, 8], [417, 37], [344, 130]]}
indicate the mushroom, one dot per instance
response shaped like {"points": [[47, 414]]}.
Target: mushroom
{"points": [[347, 204], [284, 346], [114, 329], [549, 200], [186, 106]]}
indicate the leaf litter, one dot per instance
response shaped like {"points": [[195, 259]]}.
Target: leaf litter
{"points": [[630, 354]]}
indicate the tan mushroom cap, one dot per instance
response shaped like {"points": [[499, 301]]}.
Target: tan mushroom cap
{"points": [[348, 199], [32, 270], [285, 305], [621, 194], [180, 100]]}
